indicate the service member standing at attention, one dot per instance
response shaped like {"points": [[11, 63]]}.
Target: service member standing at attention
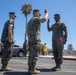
{"points": [[7, 39], [33, 33], [59, 38]]}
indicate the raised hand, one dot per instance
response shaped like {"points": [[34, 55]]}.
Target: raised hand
{"points": [[45, 11]]}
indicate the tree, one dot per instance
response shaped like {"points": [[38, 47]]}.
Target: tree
{"points": [[70, 47], [26, 10]]}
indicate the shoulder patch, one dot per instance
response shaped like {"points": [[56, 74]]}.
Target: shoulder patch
{"points": [[11, 20]]}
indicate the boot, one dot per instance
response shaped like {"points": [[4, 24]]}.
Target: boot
{"points": [[54, 68], [33, 70], [58, 68], [5, 68]]}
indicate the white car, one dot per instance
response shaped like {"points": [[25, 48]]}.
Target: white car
{"points": [[17, 51]]}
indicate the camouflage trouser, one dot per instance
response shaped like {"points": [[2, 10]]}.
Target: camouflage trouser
{"points": [[6, 53], [58, 51], [33, 53]]}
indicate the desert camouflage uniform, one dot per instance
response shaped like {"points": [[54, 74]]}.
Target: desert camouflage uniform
{"points": [[33, 30], [7, 50], [57, 29]]}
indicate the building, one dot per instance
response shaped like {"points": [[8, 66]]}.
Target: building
{"points": [[65, 52]]}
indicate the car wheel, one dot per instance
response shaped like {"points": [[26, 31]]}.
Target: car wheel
{"points": [[20, 54]]}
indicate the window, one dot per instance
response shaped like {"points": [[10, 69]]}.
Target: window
{"points": [[16, 46]]}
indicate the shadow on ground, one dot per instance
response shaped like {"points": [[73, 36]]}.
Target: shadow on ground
{"points": [[46, 70], [24, 73], [16, 73]]}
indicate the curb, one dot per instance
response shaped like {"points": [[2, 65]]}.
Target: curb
{"points": [[64, 57], [68, 58]]}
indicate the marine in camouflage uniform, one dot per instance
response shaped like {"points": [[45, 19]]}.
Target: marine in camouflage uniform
{"points": [[58, 30], [33, 33], [7, 39]]}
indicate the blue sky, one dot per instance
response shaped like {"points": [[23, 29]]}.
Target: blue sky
{"points": [[66, 8]]}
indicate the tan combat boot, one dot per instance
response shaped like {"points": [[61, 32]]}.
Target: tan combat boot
{"points": [[54, 68], [33, 71], [58, 68], [4, 68]]}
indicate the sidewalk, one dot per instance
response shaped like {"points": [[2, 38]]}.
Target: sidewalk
{"points": [[64, 57]]}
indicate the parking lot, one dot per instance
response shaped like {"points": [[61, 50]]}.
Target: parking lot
{"points": [[19, 65], [17, 51]]}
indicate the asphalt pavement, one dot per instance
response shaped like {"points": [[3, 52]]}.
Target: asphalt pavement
{"points": [[44, 64]]}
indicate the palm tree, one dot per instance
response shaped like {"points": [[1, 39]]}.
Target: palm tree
{"points": [[26, 10]]}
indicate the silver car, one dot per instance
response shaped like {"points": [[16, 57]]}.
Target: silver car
{"points": [[17, 51]]}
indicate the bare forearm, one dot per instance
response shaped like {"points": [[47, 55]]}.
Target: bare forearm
{"points": [[48, 27], [46, 15], [65, 34]]}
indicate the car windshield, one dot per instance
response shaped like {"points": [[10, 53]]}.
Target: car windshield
{"points": [[16, 46]]}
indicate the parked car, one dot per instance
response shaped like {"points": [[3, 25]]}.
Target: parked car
{"points": [[17, 51]]}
